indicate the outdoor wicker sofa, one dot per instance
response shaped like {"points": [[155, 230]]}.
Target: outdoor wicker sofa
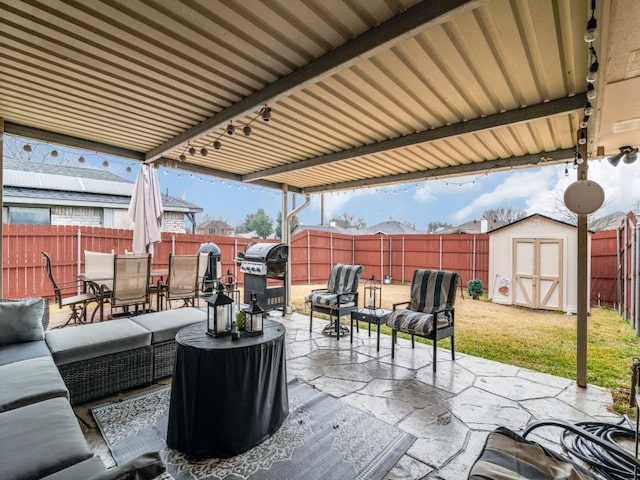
{"points": [[43, 373]]}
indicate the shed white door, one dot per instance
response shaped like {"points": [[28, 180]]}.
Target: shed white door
{"points": [[537, 270]]}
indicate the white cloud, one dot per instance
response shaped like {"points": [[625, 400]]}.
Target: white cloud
{"points": [[621, 187], [519, 185]]}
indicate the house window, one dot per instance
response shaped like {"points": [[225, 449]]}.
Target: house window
{"points": [[27, 215]]}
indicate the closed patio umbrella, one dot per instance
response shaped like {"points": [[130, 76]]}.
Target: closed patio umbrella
{"points": [[145, 210]]}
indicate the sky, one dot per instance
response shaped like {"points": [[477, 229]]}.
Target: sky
{"points": [[452, 200]]}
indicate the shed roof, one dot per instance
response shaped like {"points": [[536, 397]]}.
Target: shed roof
{"points": [[530, 217]]}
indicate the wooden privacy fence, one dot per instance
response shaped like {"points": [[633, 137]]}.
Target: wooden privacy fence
{"points": [[312, 255]]}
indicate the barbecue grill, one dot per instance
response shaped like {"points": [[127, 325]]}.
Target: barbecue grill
{"points": [[264, 264]]}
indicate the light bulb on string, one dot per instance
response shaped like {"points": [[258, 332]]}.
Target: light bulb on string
{"points": [[588, 109], [27, 148], [192, 151], [54, 153], [81, 159], [105, 164], [566, 169]]}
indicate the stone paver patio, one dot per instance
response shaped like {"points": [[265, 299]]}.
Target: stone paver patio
{"points": [[449, 413]]}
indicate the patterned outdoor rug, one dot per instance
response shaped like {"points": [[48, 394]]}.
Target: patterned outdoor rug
{"points": [[322, 438]]}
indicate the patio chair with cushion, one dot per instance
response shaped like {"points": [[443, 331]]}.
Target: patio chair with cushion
{"points": [[182, 281], [338, 299], [70, 294], [507, 455], [429, 312]]}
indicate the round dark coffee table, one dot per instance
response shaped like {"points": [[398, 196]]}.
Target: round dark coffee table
{"points": [[226, 396]]}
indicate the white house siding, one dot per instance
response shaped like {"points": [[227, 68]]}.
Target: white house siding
{"points": [[89, 216], [173, 222], [94, 217]]}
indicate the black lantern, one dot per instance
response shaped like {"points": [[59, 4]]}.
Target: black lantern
{"points": [[219, 313], [255, 317], [372, 294]]}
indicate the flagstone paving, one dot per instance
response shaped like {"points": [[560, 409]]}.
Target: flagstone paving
{"points": [[449, 412]]}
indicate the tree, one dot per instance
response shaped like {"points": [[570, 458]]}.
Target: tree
{"points": [[433, 227], [595, 220], [259, 222], [504, 214], [294, 222], [347, 220]]}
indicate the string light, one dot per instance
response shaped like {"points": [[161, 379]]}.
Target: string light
{"points": [[264, 113]]}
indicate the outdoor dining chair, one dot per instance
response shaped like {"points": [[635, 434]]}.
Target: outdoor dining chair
{"points": [[70, 294], [182, 281], [338, 299], [130, 292], [429, 312]]}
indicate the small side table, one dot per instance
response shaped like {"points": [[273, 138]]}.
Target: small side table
{"points": [[369, 315]]}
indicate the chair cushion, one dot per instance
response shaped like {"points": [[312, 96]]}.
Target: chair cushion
{"points": [[164, 325], [23, 351], [507, 456], [417, 323], [44, 438], [21, 321], [75, 344], [432, 290], [344, 278], [325, 299], [30, 381]]}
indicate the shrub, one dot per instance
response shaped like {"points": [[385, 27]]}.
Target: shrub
{"points": [[474, 287]]}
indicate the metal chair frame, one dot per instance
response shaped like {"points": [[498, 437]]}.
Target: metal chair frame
{"points": [[78, 302]]}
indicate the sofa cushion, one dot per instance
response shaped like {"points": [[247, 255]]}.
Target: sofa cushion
{"points": [[30, 381], [85, 469], [75, 344], [164, 325], [21, 321], [43, 438], [144, 467], [23, 351]]}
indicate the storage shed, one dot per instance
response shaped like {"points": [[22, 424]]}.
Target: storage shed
{"points": [[533, 263]]}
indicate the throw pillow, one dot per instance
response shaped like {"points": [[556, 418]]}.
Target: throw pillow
{"points": [[21, 320]]}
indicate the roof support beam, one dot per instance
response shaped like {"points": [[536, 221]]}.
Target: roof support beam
{"points": [[409, 23], [530, 160], [74, 142], [554, 107]]}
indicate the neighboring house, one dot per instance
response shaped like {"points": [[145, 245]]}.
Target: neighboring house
{"points": [[391, 227], [388, 227], [215, 227], [607, 222], [474, 226], [49, 194]]}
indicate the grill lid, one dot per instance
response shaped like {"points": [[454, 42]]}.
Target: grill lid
{"points": [[265, 252]]}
